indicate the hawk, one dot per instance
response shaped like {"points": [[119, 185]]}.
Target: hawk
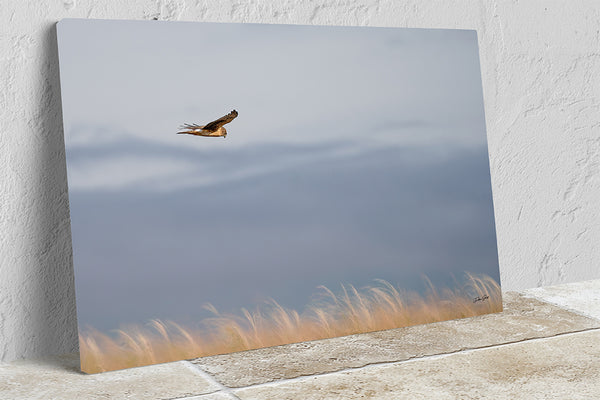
{"points": [[212, 129]]}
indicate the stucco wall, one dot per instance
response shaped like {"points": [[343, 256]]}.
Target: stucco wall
{"points": [[541, 76]]}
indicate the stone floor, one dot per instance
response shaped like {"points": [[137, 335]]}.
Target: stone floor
{"points": [[544, 345]]}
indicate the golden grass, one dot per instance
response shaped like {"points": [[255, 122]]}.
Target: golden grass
{"points": [[348, 312]]}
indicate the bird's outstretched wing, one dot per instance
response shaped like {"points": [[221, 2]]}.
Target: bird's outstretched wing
{"points": [[213, 126]]}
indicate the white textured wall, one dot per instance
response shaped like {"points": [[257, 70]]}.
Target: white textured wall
{"points": [[541, 78]]}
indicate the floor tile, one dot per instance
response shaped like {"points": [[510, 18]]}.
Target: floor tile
{"points": [[522, 318], [563, 367], [580, 297], [60, 378]]}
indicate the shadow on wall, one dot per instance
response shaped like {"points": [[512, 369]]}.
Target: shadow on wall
{"points": [[47, 295]]}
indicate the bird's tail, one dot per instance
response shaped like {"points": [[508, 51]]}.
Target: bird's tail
{"points": [[189, 128]]}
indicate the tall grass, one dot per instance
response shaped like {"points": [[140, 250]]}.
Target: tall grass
{"points": [[346, 312]]}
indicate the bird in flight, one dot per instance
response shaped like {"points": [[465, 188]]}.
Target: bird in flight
{"points": [[212, 129]]}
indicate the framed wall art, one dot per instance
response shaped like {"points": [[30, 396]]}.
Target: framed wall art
{"points": [[237, 186]]}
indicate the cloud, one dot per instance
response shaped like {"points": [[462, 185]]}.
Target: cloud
{"points": [[99, 158], [148, 166], [121, 172]]}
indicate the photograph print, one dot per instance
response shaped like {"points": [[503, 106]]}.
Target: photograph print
{"points": [[240, 186]]}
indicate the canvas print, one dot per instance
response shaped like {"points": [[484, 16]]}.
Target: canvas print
{"points": [[238, 186]]}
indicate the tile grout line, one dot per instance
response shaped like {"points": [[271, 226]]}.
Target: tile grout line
{"points": [[199, 371], [409, 360]]}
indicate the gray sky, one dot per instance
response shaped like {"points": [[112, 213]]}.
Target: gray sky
{"points": [[358, 153]]}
